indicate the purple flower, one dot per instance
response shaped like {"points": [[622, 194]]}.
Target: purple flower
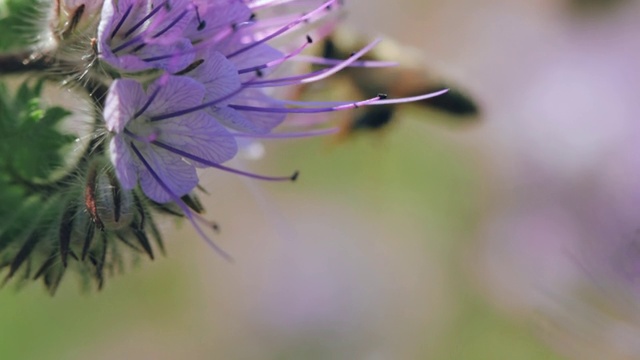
{"points": [[137, 35], [223, 86], [163, 153], [214, 84]]}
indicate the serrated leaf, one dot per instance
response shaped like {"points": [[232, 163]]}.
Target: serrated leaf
{"points": [[31, 141]]}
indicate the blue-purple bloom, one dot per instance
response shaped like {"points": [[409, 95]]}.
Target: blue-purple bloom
{"points": [[131, 115], [176, 85], [191, 76]]}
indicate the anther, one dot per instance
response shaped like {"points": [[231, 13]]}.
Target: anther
{"points": [[201, 23], [309, 39], [382, 96], [194, 65]]}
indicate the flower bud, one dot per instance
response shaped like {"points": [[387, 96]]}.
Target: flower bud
{"points": [[109, 205], [72, 18]]}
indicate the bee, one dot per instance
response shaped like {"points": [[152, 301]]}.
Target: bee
{"points": [[408, 78]]}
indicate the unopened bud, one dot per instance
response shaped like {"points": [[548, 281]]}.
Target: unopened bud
{"points": [[73, 18], [109, 205]]}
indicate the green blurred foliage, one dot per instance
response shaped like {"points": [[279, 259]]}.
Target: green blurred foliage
{"points": [[23, 120], [19, 22], [30, 150]]}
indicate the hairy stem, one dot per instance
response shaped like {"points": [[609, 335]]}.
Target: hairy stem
{"points": [[23, 62]]}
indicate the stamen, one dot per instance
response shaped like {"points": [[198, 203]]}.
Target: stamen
{"points": [[277, 61], [222, 167], [316, 75], [282, 29], [290, 135], [201, 23], [258, 4], [121, 22], [149, 101], [198, 107], [380, 102], [187, 212], [411, 99], [172, 24], [345, 63], [128, 43], [353, 105], [169, 56], [329, 62], [144, 19], [194, 65]]}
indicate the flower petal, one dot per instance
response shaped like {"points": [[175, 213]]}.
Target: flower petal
{"points": [[176, 93], [218, 75], [179, 176], [124, 163], [250, 121], [201, 135], [217, 14], [170, 57], [125, 96]]}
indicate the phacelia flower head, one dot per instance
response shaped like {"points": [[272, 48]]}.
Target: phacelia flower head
{"points": [[176, 85], [214, 84]]}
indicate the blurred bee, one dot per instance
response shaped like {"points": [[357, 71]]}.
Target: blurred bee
{"points": [[406, 79]]}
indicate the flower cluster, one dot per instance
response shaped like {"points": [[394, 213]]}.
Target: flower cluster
{"points": [[212, 61], [176, 83]]}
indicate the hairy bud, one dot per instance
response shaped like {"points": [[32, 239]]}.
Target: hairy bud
{"points": [[74, 18], [110, 206]]}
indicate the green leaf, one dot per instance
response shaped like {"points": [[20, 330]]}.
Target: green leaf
{"points": [[19, 21], [31, 143]]}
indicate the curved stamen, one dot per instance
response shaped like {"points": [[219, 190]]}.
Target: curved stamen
{"points": [[198, 107], [411, 99], [121, 22], [172, 24], [187, 212], [144, 19], [283, 29], [128, 43], [317, 60], [277, 61], [345, 63], [222, 167], [201, 23], [149, 101], [264, 3], [315, 75], [353, 105], [290, 135], [380, 102]]}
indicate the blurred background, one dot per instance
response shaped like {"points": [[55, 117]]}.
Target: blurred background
{"points": [[513, 234]]}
